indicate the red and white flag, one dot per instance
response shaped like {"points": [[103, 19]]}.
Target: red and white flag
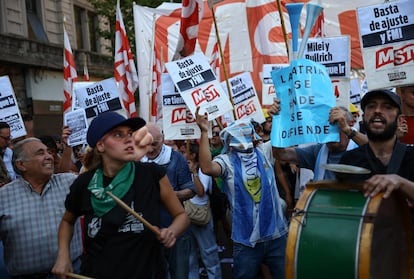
{"points": [[191, 15], [125, 71], [156, 83], [318, 29], [69, 72], [215, 61]]}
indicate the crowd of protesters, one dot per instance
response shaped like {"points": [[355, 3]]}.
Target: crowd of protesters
{"points": [[57, 215]]}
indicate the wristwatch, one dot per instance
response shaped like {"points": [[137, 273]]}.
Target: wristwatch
{"points": [[353, 133]]}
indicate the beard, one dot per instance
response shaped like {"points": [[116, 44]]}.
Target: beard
{"points": [[388, 133]]}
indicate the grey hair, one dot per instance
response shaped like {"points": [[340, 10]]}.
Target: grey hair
{"points": [[19, 153]]}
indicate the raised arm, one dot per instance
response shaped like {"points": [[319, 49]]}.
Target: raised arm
{"points": [[206, 164]]}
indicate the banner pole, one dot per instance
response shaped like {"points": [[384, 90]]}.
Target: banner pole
{"points": [[223, 61], [282, 23]]}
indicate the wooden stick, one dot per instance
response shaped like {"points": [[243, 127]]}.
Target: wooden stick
{"points": [[282, 23], [136, 215], [77, 276]]}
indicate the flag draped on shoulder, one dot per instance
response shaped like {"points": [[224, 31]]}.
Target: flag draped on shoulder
{"points": [[125, 71], [191, 14], [69, 72]]}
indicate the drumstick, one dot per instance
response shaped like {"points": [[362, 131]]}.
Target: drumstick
{"points": [[77, 276], [136, 215]]}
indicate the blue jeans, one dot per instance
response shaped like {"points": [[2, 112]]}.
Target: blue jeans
{"points": [[205, 244], [247, 260]]}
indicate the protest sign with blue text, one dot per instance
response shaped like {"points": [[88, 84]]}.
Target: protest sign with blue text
{"points": [[305, 92]]}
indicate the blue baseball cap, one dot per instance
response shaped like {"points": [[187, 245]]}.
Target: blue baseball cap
{"points": [[107, 121]]}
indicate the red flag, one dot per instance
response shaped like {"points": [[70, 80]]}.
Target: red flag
{"points": [[125, 71], [85, 72], [191, 14], [69, 72]]}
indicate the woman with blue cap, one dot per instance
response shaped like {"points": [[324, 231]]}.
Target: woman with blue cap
{"points": [[116, 244]]}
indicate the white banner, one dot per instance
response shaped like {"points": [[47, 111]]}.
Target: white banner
{"points": [[249, 31]]}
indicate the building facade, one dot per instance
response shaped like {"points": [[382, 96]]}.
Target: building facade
{"points": [[31, 54]]}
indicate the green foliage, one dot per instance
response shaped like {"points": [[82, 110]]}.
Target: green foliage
{"points": [[107, 9]]}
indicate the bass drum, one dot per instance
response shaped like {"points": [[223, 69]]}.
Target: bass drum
{"points": [[335, 232]]}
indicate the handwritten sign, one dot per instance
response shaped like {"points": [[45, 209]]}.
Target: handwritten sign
{"points": [[387, 38], [305, 92], [9, 109], [198, 85], [99, 97]]}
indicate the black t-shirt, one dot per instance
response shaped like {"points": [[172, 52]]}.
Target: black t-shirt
{"points": [[365, 158], [117, 245]]}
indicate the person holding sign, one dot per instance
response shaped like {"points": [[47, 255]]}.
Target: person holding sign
{"points": [[117, 245], [7, 172], [312, 156], [259, 227]]}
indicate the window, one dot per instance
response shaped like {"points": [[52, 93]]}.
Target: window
{"points": [[34, 24], [86, 24]]}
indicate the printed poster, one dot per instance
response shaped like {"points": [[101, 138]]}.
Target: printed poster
{"points": [[335, 54], [9, 109], [268, 88], [244, 96], [99, 97], [387, 42], [178, 122], [76, 120], [197, 84]]}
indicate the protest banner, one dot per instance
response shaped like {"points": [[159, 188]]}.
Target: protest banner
{"points": [[9, 109], [250, 32], [99, 97], [387, 41], [198, 85], [334, 54], [178, 122], [244, 96], [306, 97]]}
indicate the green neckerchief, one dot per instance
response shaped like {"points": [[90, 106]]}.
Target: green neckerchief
{"points": [[119, 186]]}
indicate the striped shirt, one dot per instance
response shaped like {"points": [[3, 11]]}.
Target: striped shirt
{"points": [[29, 224]]}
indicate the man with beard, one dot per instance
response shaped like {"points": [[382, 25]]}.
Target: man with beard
{"points": [[391, 162]]}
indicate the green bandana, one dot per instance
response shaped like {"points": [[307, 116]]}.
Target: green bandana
{"points": [[119, 186]]}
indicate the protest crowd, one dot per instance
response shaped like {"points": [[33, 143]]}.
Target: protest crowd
{"points": [[299, 184]]}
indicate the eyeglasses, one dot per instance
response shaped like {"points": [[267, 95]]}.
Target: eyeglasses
{"points": [[5, 138], [215, 134]]}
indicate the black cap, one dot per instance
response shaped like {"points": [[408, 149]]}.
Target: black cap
{"points": [[383, 92]]}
